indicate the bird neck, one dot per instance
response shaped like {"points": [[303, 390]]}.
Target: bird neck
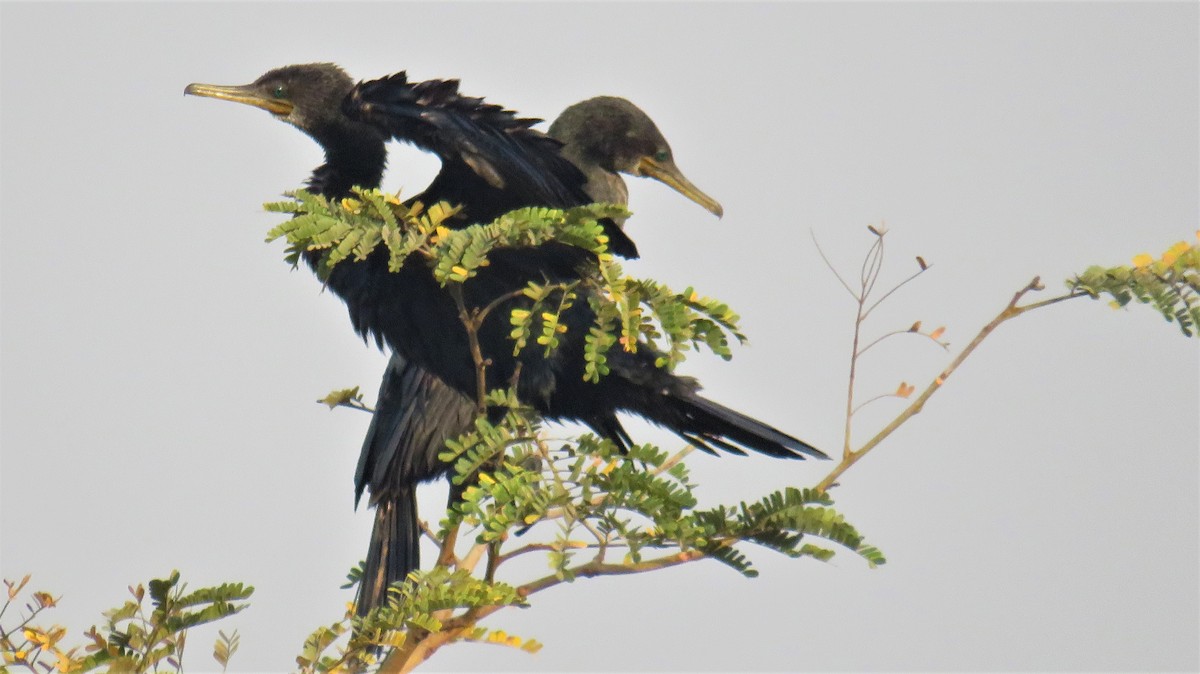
{"points": [[603, 185], [355, 154]]}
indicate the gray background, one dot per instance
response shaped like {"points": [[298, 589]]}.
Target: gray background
{"points": [[160, 363]]}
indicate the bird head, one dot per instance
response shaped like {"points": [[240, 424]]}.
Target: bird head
{"points": [[619, 137], [308, 96]]}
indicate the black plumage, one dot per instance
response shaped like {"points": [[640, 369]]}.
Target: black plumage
{"points": [[492, 162], [416, 413]]}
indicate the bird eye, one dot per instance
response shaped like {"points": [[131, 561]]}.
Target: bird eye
{"points": [[662, 155], [279, 92]]}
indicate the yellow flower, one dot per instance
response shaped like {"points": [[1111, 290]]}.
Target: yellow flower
{"points": [[1142, 260], [1174, 252]]}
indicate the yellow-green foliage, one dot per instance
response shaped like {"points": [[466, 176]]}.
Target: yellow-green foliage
{"points": [[630, 312], [1171, 283], [136, 638]]}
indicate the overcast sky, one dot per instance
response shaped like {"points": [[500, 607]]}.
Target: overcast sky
{"points": [[160, 362]]}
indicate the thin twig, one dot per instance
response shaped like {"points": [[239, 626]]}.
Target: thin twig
{"points": [[830, 265], [355, 405], [527, 548], [868, 402], [471, 324], [674, 459], [893, 333], [483, 313], [872, 266], [592, 569], [848, 430], [429, 532], [898, 286]]}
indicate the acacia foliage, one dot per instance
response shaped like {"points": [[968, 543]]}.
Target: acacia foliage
{"points": [[1170, 283], [630, 312], [135, 637], [585, 507]]}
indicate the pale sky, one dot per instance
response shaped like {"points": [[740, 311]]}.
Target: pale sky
{"points": [[160, 362]]}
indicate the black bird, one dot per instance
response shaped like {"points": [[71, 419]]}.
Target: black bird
{"points": [[416, 413], [492, 162]]}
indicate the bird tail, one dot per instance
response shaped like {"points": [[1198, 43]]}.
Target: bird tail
{"points": [[395, 548], [711, 426]]}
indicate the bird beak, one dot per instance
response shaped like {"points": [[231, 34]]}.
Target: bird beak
{"points": [[670, 175], [241, 94]]}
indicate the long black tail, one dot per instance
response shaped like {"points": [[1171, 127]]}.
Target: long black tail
{"points": [[395, 547], [711, 426]]}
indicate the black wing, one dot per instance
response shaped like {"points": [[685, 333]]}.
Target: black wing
{"points": [[492, 160]]}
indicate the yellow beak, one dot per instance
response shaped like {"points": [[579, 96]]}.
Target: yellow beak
{"points": [[241, 94], [670, 175]]}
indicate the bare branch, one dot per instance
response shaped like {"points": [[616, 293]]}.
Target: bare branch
{"points": [[1012, 310]]}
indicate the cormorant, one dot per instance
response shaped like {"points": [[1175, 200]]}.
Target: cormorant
{"points": [[492, 162], [415, 413]]}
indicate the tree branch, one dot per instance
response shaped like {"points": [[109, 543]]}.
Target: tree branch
{"points": [[1012, 310]]}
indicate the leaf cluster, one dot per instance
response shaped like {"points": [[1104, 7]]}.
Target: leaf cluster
{"points": [[351, 228], [1171, 284], [593, 497], [643, 311], [411, 612], [137, 637]]}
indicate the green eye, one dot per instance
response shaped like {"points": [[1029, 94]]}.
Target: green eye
{"points": [[279, 92], [662, 155]]}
